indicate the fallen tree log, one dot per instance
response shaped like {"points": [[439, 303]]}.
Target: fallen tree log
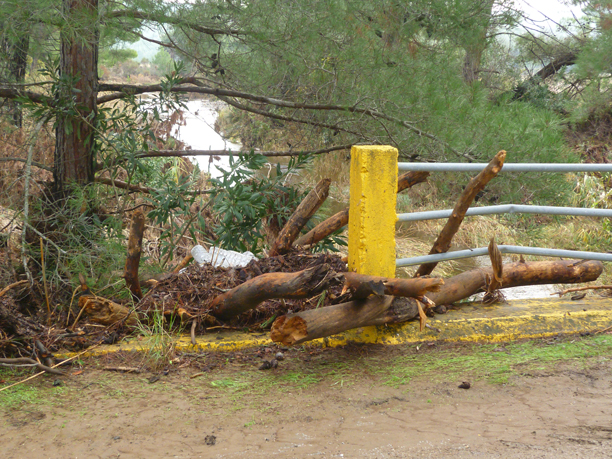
{"points": [[311, 282], [362, 285], [132, 262], [317, 323], [337, 221], [307, 208], [302, 284], [518, 274], [475, 185], [378, 310]]}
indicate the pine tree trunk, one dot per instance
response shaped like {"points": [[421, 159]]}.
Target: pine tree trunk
{"points": [[79, 70]]}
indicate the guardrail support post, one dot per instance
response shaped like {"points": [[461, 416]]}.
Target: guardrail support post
{"points": [[372, 212]]}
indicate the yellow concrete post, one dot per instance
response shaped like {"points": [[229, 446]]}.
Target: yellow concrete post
{"points": [[372, 212]]}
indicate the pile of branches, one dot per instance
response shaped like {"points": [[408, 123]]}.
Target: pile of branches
{"points": [[190, 294], [298, 295]]}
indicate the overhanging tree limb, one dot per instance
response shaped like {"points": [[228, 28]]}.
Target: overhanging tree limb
{"points": [[175, 153], [163, 19], [127, 89]]}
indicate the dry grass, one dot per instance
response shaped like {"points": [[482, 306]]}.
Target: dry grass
{"points": [[14, 143]]}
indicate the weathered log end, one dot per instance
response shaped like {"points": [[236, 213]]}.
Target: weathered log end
{"points": [[401, 310], [288, 330], [106, 312], [303, 284]]}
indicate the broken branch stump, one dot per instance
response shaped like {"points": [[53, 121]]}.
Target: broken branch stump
{"points": [[318, 323], [130, 273], [337, 221], [415, 287], [476, 185], [302, 284], [307, 208]]}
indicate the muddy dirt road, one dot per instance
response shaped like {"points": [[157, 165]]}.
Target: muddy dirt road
{"points": [[536, 399]]}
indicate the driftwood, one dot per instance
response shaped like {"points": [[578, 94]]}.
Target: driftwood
{"points": [[302, 284], [307, 208], [378, 310], [318, 323], [337, 221], [362, 286], [132, 261], [476, 185], [518, 274]]}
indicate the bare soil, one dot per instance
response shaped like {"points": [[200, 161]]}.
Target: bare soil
{"points": [[350, 402]]}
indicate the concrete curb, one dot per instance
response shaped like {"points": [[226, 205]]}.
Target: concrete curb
{"points": [[471, 322]]}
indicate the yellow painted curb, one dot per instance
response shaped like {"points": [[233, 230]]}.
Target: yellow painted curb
{"points": [[472, 322]]}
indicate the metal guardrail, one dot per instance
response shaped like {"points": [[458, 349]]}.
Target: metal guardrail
{"points": [[508, 167], [506, 209], [509, 208], [483, 251]]}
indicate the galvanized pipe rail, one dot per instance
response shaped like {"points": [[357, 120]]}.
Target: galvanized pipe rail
{"points": [[508, 167], [483, 251], [506, 209], [509, 208]]}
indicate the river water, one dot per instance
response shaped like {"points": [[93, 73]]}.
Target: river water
{"points": [[198, 132]]}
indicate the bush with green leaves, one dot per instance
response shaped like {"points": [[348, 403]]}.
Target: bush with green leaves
{"points": [[244, 203]]}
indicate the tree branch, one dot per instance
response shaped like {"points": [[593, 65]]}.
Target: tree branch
{"points": [[22, 160], [7, 92], [137, 188], [160, 18], [126, 89], [174, 153]]}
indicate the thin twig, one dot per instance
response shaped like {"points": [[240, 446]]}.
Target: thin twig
{"points": [[123, 369], [44, 275], [38, 233], [10, 286], [78, 316], [27, 362], [578, 289], [70, 306], [26, 199], [54, 366], [604, 330], [193, 328]]}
